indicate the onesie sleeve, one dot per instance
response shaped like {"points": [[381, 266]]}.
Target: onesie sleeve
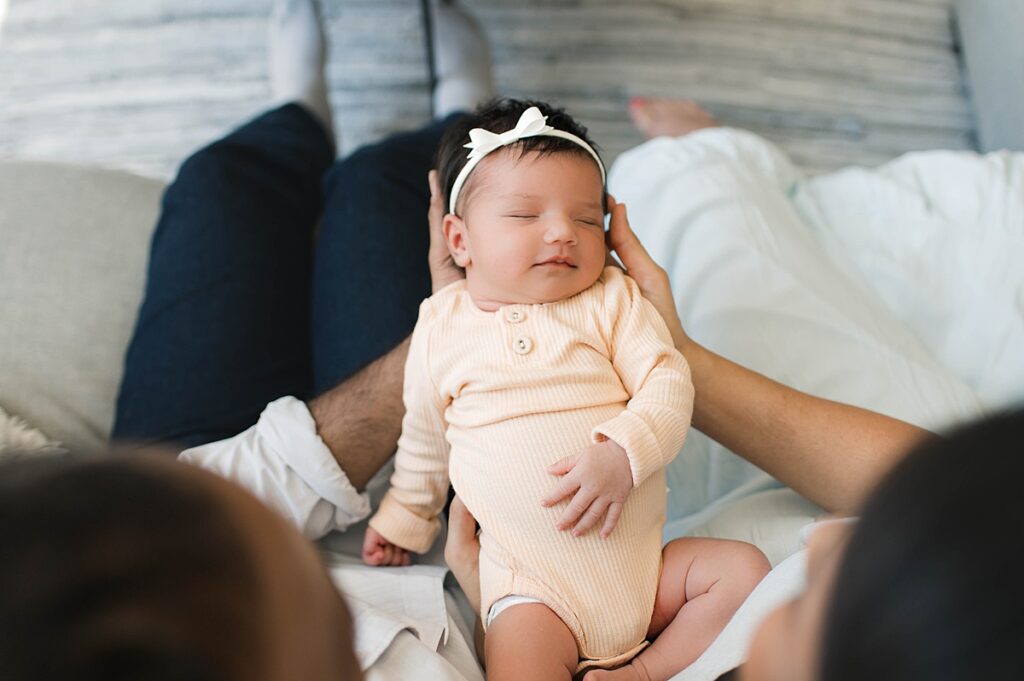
{"points": [[408, 513], [654, 424]]}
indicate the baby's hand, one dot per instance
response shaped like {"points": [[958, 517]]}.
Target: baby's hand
{"points": [[599, 479], [379, 551]]}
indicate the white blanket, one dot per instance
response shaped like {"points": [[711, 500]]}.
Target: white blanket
{"points": [[899, 289]]}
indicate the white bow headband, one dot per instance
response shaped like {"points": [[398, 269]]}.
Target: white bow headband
{"points": [[531, 124]]}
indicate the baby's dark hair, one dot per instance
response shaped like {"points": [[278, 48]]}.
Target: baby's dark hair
{"points": [[498, 116]]}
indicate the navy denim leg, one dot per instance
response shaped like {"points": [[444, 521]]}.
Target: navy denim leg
{"points": [[371, 272], [224, 326]]}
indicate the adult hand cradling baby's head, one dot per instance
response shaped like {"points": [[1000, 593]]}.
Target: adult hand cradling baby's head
{"points": [[443, 269], [649, 275]]}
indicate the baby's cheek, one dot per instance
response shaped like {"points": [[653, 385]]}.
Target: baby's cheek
{"points": [[596, 256], [513, 260]]}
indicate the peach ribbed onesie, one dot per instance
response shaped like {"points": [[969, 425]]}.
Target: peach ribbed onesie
{"points": [[493, 398]]}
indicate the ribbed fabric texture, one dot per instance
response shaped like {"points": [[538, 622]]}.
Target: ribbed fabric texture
{"points": [[493, 398]]}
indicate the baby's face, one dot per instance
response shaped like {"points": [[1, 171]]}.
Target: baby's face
{"points": [[532, 228]]}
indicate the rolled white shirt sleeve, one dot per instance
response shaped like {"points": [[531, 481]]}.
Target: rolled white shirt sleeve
{"points": [[283, 461]]}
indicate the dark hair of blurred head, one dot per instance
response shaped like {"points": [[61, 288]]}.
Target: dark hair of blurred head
{"points": [[930, 586], [116, 568], [499, 116]]}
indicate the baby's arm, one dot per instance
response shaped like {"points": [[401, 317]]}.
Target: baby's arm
{"points": [[653, 426], [407, 519], [646, 435]]}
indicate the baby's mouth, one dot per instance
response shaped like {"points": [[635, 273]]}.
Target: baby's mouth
{"points": [[558, 261]]}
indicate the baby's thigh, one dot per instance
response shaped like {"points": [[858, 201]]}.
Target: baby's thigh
{"points": [[692, 565], [529, 641]]}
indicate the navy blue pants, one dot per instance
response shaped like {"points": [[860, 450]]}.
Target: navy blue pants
{"points": [[246, 302]]}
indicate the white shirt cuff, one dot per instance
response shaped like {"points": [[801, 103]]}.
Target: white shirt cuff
{"points": [[283, 461]]}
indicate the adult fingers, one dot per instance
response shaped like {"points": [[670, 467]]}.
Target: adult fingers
{"points": [[591, 517], [435, 213], [443, 269], [461, 528], [612, 519], [649, 275], [627, 246]]}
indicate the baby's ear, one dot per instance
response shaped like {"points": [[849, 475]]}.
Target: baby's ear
{"points": [[457, 239]]}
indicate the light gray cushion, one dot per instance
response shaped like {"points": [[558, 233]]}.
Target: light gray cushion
{"points": [[990, 40], [74, 244]]}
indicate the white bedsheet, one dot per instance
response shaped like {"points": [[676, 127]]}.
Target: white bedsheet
{"points": [[899, 289]]}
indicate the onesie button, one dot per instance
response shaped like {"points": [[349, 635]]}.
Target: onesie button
{"points": [[522, 345], [514, 316]]}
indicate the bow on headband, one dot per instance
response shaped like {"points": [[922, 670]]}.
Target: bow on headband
{"points": [[532, 123]]}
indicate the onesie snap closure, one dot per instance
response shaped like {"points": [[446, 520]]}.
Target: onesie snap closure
{"points": [[523, 345], [514, 315]]}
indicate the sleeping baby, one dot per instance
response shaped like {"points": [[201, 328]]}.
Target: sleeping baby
{"points": [[548, 392]]}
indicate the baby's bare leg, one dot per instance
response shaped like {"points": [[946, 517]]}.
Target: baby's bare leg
{"points": [[703, 583], [529, 641]]}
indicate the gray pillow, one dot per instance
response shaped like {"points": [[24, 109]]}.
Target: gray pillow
{"points": [[74, 245]]}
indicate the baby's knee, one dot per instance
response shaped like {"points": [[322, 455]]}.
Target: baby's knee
{"points": [[747, 565]]}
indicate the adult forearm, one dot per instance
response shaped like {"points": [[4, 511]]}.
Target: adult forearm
{"points": [[831, 453], [360, 419]]}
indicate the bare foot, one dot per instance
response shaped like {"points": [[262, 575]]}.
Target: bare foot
{"points": [[662, 117], [634, 671]]}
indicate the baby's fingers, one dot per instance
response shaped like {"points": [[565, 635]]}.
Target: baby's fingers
{"points": [[566, 486], [592, 517], [575, 510], [563, 466], [612, 519]]}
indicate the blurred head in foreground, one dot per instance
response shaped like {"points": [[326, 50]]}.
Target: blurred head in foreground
{"points": [[143, 568], [927, 585]]}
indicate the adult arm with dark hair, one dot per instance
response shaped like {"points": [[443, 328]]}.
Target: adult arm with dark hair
{"points": [[360, 419]]}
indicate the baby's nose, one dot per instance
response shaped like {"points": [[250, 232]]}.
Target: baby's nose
{"points": [[560, 229]]}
